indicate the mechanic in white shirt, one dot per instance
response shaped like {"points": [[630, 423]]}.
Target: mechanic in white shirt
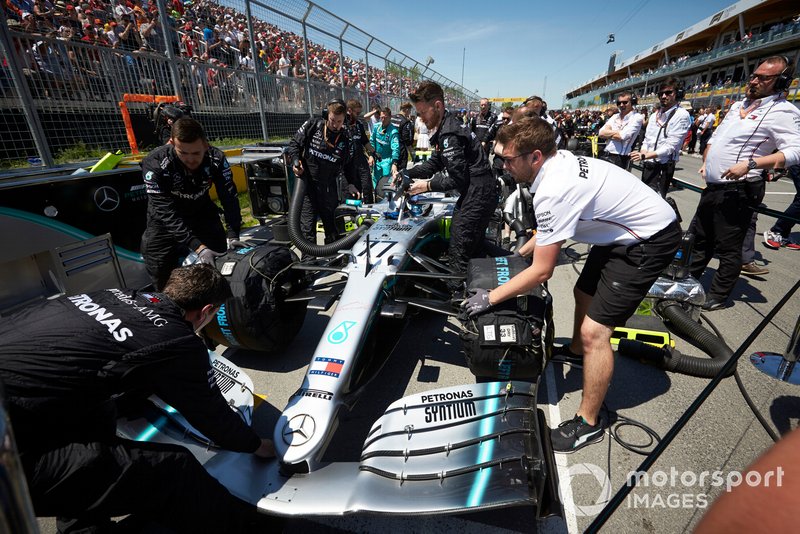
{"points": [[760, 132], [635, 236], [621, 131], [663, 138]]}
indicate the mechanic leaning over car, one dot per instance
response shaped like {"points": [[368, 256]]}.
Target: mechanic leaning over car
{"points": [[70, 364], [635, 236], [456, 150], [181, 217], [322, 148]]}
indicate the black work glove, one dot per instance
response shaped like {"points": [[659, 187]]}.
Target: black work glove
{"points": [[208, 256], [477, 303]]}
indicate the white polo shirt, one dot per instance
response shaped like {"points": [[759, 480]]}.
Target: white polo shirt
{"points": [[630, 126], [772, 125], [593, 201], [665, 133]]}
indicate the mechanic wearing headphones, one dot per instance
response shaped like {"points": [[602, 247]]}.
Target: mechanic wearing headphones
{"points": [[358, 134], [635, 236], [763, 123], [181, 217], [323, 148], [68, 364], [456, 150], [663, 138], [621, 131]]}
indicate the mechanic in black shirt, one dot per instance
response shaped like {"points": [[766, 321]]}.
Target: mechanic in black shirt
{"points": [[69, 362], [181, 217], [482, 123], [402, 121], [497, 162], [322, 147], [361, 146], [456, 150]]}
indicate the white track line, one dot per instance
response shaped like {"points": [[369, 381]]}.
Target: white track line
{"points": [[564, 482]]}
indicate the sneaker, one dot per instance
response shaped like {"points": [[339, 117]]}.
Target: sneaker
{"points": [[752, 269], [773, 240], [791, 245], [563, 354], [576, 434]]}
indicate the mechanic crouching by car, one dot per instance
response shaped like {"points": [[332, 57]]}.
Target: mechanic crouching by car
{"points": [[635, 236], [181, 217], [321, 150], [68, 364], [456, 150]]}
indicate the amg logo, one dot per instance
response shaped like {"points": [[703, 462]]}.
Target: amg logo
{"points": [[446, 412], [450, 395], [314, 394]]}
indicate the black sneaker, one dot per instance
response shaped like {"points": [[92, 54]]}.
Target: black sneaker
{"points": [[576, 434], [563, 354]]}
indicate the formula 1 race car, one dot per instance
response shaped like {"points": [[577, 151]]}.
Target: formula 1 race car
{"points": [[450, 450]]}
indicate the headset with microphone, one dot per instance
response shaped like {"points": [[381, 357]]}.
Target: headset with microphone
{"points": [[332, 103], [784, 79]]}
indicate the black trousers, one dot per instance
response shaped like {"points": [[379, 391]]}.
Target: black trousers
{"points": [[470, 220], [321, 199], [364, 180], [719, 226], [162, 253], [94, 481], [704, 139], [622, 162], [658, 176]]}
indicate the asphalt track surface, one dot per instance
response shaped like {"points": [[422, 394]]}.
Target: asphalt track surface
{"points": [[723, 436]]}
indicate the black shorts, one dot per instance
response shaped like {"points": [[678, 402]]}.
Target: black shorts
{"points": [[619, 276]]}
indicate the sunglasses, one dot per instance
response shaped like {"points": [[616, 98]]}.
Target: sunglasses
{"points": [[668, 93], [623, 102], [763, 77], [509, 159]]}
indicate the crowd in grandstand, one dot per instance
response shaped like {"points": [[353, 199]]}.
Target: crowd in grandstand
{"points": [[203, 32], [740, 41]]}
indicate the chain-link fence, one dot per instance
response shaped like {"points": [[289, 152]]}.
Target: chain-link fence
{"points": [[86, 77]]}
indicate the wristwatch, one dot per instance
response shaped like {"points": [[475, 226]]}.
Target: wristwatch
{"points": [[751, 164]]}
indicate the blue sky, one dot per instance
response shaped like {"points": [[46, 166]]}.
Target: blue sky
{"points": [[512, 45]]}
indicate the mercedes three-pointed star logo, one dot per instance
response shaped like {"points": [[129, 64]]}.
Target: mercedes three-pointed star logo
{"points": [[106, 198], [299, 430]]}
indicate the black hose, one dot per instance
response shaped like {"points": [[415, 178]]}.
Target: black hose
{"points": [[670, 359], [761, 419], [312, 249]]}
